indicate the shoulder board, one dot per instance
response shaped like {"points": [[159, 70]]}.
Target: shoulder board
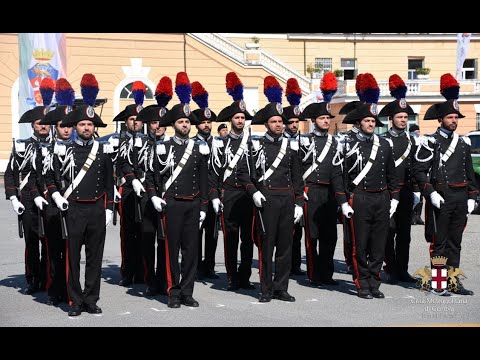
{"points": [[114, 140], [256, 137], [430, 138], [305, 139], [107, 148], [466, 140], [203, 147], [293, 144], [20, 145], [218, 141], [166, 138], [161, 150], [59, 149]]}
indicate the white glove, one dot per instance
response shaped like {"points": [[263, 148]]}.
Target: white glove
{"points": [[138, 187], [470, 205], [393, 206], [217, 206], [158, 203], [39, 201], [305, 196], [297, 215], [257, 199], [416, 198], [116, 195], [436, 199], [347, 210], [61, 202], [203, 215], [108, 217], [17, 205]]}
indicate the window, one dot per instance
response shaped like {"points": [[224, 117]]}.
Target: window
{"points": [[322, 66], [478, 121], [414, 64], [469, 70], [348, 66], [126, 92]]}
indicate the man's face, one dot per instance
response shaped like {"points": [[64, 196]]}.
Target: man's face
{"points": [[182, 127], [449, 122], [238, 122], [40, 130], [274, 125], [133, 124], [223, 132], [293, 125], [155, 129], [63, 133], [322, 122], [205, 128], [84, 129], [400, 120], [367, 125]]}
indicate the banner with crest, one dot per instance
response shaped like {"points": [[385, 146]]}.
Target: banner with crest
{"points": [[41, 55]]}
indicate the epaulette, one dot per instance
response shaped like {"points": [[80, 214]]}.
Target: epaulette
{"points": [[293, 144], [161, 150], [203, 147], [107, 147], [114, 140], [466, 140], [59, 149], [20, 145], [430, 138], [218, 141], [305, 139]]}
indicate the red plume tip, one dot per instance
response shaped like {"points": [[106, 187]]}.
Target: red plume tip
{"points": [[62, 84], [395, 81], [447, 81], [270, 81], [329, 82], [368, 82], [47, 83], [292, 87], [138, 85], [358, 81], [89, 80], [197, 89], [232, 80], [182, 79], [164, 86]]}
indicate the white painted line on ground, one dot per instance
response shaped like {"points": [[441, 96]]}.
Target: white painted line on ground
{"points": [[155, 309], [219, 305], [125, 313], [312, 300]]}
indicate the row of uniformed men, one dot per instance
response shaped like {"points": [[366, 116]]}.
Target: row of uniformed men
{"points": [[272, 177]]}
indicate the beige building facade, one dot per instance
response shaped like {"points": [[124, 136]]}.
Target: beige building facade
{"points": [[119, 59]]}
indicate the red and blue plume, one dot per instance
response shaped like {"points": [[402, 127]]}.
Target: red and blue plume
{"points": [[272, 89], [449, 87], [357, 86], [64, 92], [234, 86], [369, 89], [328, 86], [89, 86], [397, 87], [164, 91], [293, 92], [199, 95], [47, 88], [138, 90], [183, 87]]}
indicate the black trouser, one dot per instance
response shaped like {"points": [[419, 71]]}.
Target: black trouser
{"points": [[36, 260], [451, 220], [321, 232], [398, 242], [150, 221], [369, 223], [86, 226], [56, 250], [237, 215], [208, 264], [278, 219], [181, 220], [131, 238], [297, 246], [417, 211]]}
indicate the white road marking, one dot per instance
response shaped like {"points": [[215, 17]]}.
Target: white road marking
{"points": [[219, 305], [312, 300], [126, 313], [155, 309]]}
